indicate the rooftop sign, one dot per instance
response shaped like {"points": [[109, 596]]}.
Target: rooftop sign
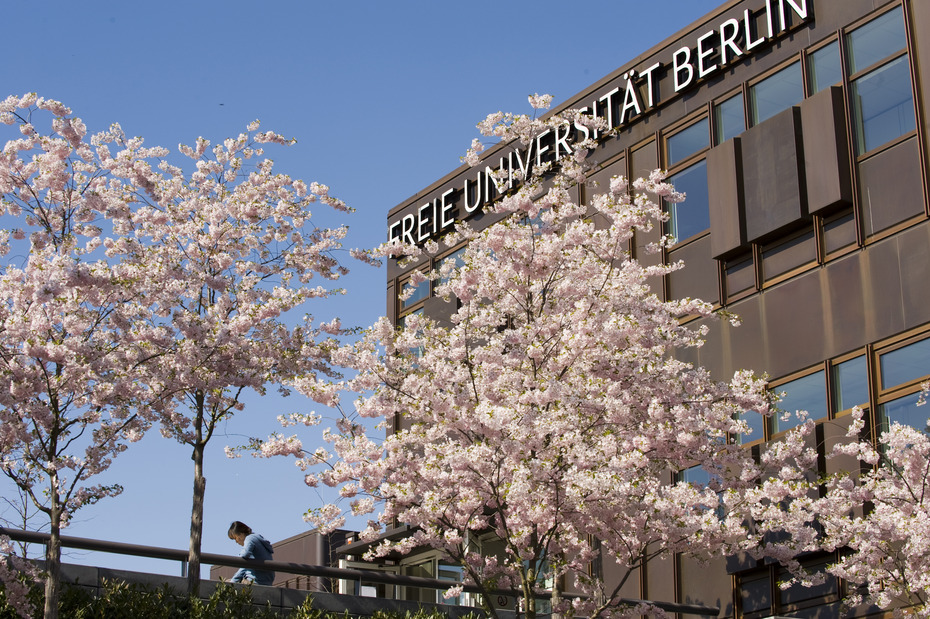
{"points": [[638, 92]]}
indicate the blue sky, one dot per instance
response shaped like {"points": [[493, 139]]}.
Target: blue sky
{"points": [[383, 98]]}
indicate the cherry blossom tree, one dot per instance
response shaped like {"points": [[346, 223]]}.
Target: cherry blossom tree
{"points": [[551, 410], [230, 254], [877, 517], [151, 293], [69, 346]]}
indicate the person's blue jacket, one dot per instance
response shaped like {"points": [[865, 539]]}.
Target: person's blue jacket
{"points": [[258, 548]]}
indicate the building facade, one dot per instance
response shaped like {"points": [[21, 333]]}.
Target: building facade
{"points": [[797, 129]]}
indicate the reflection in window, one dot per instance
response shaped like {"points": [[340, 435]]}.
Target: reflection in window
{"points": [[687, 142], [756, 423], [850, 383], [883, 105], [904, 411], [905, 364], [824, 67], [807, 393], [776, 93], [457, 262], [876, 40], [454, 573], [755, 592], [728, 116], [692, 216], [420, 292]]}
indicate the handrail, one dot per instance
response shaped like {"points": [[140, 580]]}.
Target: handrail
{"points": [[302, 569]]}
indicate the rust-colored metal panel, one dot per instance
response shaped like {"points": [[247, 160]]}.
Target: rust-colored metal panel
{"points": [[890, 187], [725, 195], [884, 314], [698, 278], [845, 304], [826, 151], [914, 247], [773, 175], [795, 324]]}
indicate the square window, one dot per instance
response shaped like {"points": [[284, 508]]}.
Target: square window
{"points": [[420, 292], [776, 93], [807, 393], [883, 105], [876, 40], [905, 411], [905, 364], [687, 142]]}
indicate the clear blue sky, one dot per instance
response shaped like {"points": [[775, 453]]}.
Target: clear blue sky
{"points": [[383, 98]]}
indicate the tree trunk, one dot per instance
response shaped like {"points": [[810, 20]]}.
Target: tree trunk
{"points": [[556, 600], [53, 556], [193, 557]]}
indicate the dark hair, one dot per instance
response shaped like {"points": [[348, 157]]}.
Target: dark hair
{"points": [[238, 528]]}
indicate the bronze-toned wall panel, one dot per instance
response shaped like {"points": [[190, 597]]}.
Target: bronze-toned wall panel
{"points": [[795, 324], [725, 195], [914, 250], [773, 175], [826, 151], [890, 187], [697, 281], [845, 305]]}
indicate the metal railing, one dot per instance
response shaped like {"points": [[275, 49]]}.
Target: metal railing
{"points": [[303, 569]]}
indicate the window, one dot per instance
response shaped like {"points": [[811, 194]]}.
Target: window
{"points": [[901, 369], [756, 423], [776, 93], [905, 364], [824, 67], [687, 142], [419, 292], [883, 105], [728, 118], [691, 217], [807, 393], [876, 40], [850, 384], [882, 101]]}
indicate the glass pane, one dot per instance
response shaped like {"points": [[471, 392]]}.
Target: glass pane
{"points": [[420, 292], [799, 593], [456, 259], [756, 423], [807, 393], [876, 40], [883, 105], [904, 411], [824, 67], [729, 118], [776, 93], [850, 383], [453, 572], [692, 216], [687, 142], [905, 364], [756, 593]]}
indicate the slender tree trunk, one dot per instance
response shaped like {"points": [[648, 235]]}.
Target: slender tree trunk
{"points": [[193, 557], [556, 600], [53, 556]]}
